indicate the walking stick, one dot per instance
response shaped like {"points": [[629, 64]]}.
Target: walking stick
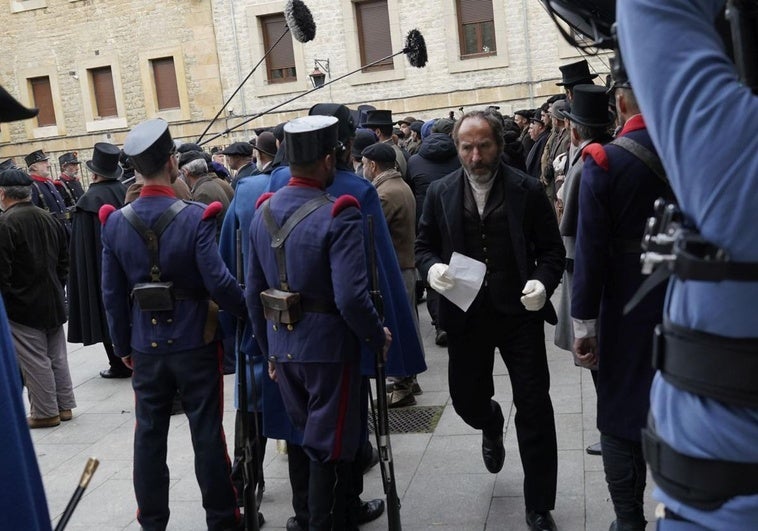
{"points": [[250, 468], [89, 470], [381, 415]]}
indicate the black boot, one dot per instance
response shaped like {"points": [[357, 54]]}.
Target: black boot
{"points": [[322, 490], [299, 469]]}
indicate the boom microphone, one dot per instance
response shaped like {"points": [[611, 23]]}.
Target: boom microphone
{"points": [[415, 50], [300, 21]]}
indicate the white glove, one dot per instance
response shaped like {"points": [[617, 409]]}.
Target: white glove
{"points": [[438, 279], [534, 295], [559, 163]]}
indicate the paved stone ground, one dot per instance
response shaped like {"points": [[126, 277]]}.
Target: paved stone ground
{"points": [[442, 481]]}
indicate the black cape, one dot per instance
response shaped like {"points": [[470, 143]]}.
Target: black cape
{"points": [[87, 323]]}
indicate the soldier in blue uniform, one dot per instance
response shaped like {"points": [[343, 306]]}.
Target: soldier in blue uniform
{"points": [[161, 305], [616, 194], [704, 400], [68, 182], [315, 357], [45, 193]]}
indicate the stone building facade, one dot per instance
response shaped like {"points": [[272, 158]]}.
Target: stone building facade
{"points": [[212, 45]]}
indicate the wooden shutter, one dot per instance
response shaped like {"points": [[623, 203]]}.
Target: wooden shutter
{"points": [[473, 11], [105, 95], [374, 34], [166, 90], [43, 100], [280, 63]]}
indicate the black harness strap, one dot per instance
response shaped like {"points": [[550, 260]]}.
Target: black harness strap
{"points": [[647, 157], [279, 234], [152, 235]]}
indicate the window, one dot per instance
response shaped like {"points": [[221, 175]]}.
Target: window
{"points": [[43, 99], [105, 95], [372, 19], [164, 76], [280, 63], [476, 28]]}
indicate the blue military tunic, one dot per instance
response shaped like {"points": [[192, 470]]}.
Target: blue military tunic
{"points": [[319, 357], [45, 194], [692, 99]]}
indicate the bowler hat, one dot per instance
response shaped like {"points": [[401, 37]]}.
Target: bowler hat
{"points": [[379, 152], [378, 118], [241, 149], [266, 143], [346, 129], [525, 113], [14, 177], [309, 138], [575, 74], [35, 156], [68, 158], [11, 110], [149, 145], [363, 139], [184, 147], [537, 118], [590, 106], [104, 161]]}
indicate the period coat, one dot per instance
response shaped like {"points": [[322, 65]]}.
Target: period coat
{"points": [[616, 195], [70, 189], [87, 322]]}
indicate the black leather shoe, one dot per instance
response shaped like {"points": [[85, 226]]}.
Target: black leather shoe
{"points": [[440, 338], [111, 373], [493, 453], [594, 449], [370, 510], [541, 521], [293, 525]]}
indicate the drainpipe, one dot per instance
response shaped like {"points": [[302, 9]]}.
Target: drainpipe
{"points": [[527, 46]]}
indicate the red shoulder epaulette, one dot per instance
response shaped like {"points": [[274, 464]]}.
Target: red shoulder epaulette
{"points": [[597, 153], [343, 202], [263, 198], [104, 212], [212, 210]]}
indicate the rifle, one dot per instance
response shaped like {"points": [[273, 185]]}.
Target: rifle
{"points": [[89, 470], [250, 468], [381, 415]]}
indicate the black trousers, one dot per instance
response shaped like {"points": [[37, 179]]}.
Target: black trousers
{"points": [[196, 375], [625, 474], [521, 341]]}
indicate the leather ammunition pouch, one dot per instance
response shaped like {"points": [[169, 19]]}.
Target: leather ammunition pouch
{"points": [[154, 296], [283, 307]]}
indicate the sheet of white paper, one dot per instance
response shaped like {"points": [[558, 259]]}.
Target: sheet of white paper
{"points": [[468, 275]]}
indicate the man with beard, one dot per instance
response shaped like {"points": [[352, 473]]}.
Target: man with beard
{"points": [[499, 216], [87, 322], [44, 192], [68, 183]]}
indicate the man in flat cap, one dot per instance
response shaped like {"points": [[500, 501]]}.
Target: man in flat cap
{"points": [[314, 347], [205, 187], [163, 281], [33, 270], [399, 207], [68, 182], [239, 156], [410, 143], [45, 193], [23, 504], [87, 321]]}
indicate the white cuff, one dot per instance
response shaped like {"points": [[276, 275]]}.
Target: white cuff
{"points": [[584, 328]]}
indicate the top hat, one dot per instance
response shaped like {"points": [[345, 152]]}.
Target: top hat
{"points": [[309, 138], [590, 106], [149, 145], [35, 156], [104, 161], [15, 177], [378, 118], [575, 74], [11, 110], [346, 128], [266, 143], [240, 149], [68, 158]]}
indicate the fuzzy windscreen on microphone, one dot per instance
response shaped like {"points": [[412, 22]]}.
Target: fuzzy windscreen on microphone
{"points": [[300, 20], [415, 49]]}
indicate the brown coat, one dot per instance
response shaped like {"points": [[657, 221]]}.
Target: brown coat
{"points": [[399, 207]]}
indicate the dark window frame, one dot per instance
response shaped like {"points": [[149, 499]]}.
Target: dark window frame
{"points": [[479, 26]]}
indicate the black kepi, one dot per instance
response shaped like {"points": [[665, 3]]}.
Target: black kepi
{"points": [[309, 138], [149, 145], [104, 161]]}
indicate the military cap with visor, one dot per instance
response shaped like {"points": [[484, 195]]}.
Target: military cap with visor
{"points": [[149, 145], [310, 138]]}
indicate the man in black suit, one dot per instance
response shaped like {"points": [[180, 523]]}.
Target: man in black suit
{"points": [[499, 216]]}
